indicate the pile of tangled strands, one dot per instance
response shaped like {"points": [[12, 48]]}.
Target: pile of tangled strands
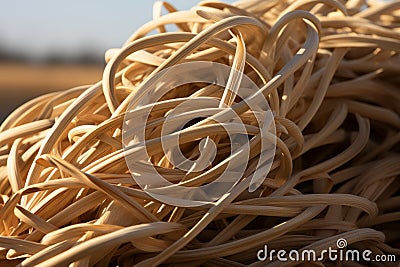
{"points": [[330, 73]]}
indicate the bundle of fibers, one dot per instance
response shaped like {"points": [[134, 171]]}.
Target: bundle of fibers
{"points": [[329, 70]]}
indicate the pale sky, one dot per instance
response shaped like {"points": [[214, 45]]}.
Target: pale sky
{"points": [[42, 27]]}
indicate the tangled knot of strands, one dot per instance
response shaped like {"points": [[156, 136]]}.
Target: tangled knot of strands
{"points": [[330, 72]]}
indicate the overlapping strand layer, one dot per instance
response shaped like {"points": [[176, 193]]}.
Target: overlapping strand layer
{"points": [[330, 72]]}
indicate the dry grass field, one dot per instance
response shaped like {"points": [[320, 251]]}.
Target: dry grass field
{"points": [[20, 82]]}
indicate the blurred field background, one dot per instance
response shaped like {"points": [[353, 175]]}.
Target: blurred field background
{"points": [[49, 45], [22, 81]]}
